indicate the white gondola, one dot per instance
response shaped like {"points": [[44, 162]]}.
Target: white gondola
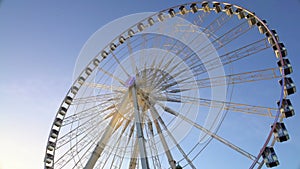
{"points": [[240, 13], [88, 71], [286, 67], [140, 27], [130, 33], [282, 49], [182, 10], [68, 100], [50, 146], [205, 6], [270, 157], [228, 9], [289, 86], [113, 46], [48, 161], [58, 122], [286, 108], [121, 39], [96, 62], [104, 54], [151, 21], [49, 158], [194, 7], [54, 133], [62, 111], [262, 29], [280, 132], [251, 20], [217, 7], [161, 17], [81, 80], [270, 38], [74, 90], [171, 12]]}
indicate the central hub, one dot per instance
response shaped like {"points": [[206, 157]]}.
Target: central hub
{"points": [[141, 96], [130, 81]]}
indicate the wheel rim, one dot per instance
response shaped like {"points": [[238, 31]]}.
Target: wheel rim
{"points": [[103, 85]]}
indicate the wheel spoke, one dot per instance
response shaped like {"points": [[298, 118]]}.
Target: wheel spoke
{"points": [[232, 56], [225, 59], [88, 126], [83, 114], [245, 77], [69, 154], [200, 18], [165, 145], [216, 25], [208, 132], [105, 137], [119, 63], [155, 114], [98, 98], [132, 60], [112, 76], [152, 145], [133, 160], [230, 106], [209, 30], [105, 87], [118, 141], [224, 39]]}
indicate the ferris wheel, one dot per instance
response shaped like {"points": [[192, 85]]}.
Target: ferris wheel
{"points": [[191, 86]]}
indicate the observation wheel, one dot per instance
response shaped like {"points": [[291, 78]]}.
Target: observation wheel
{"points": [[192, 86]]}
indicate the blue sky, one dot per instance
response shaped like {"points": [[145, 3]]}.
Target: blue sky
{"points": [[39, 44]]}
